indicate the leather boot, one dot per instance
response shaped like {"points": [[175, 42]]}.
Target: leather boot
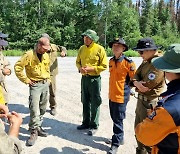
{"points": [[33, 137]]}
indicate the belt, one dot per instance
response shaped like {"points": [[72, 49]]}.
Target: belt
{"points": [[41, 81], [91, 76], [144, 98]]}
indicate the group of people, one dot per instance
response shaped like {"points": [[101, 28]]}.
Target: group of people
{"points": [[156, 120], [157, 112]]}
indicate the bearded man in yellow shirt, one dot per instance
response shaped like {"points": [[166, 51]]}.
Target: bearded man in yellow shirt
{"points": [[36, 64], [91, 61]]}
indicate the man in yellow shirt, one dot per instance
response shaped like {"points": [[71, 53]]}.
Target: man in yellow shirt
{"points": [[91, 61], [36, 65]]}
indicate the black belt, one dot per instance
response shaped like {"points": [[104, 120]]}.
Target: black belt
{"points": [[41, 81], [91, 76]]}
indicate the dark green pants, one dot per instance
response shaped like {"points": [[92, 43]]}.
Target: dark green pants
{"points": [[91, 99], [141, 114]]}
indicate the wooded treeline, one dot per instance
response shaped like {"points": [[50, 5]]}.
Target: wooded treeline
{"points": [[65, 20]]}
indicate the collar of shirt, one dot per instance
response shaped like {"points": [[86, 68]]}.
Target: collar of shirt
{"points": [[120, 59]]}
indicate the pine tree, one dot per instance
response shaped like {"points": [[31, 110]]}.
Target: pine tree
{"points": [[146, 19]]}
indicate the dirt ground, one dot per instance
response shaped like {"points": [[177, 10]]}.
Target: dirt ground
{"points": [[63, 136]]}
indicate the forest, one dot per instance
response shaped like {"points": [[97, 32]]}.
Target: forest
{"points": [[66, 20]]}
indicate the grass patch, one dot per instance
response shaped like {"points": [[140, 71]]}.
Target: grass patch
{"points": [[13, 52], [71, 53]]}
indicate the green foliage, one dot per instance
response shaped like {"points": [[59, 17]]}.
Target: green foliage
{"points": [[109, 52], [13, 52], [66, 20], [72, 53], [131, 53]]}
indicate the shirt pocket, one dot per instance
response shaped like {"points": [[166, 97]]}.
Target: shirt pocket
{"points": [[94, 59]]}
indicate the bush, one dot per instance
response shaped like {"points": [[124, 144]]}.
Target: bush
{"points": [[131, 53]]}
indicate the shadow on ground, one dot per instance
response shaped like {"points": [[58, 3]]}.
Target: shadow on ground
{"points": [[62, 130]]}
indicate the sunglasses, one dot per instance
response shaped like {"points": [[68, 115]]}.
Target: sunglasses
{"points": [[140, 52]]}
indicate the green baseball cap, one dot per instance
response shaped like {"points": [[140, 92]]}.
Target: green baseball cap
{"points": [[91, 34], [170, 61]]}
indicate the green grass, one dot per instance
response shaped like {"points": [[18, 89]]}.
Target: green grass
{"points": [[71, 53], [13, 52]]}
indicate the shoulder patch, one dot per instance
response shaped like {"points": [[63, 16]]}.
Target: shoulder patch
{"points": [[128, 59], [151, 76]]}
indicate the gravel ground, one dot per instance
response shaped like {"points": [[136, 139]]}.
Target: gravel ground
{"points": [[63, 137]]}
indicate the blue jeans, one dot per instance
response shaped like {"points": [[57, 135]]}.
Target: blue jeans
{"points": [[118, 114]]}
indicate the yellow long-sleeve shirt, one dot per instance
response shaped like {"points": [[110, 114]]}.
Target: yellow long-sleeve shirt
{"points": [[93, 56], [35, 70]]}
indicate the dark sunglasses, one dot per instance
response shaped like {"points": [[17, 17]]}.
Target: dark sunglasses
{"points": [[140, 52]]}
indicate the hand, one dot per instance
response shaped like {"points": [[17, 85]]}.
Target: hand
{"points": [[82, 70], [62, 54], [3, 111], [31, 83], [14, 119], [89, 69], [140, 86], [6, 71]]}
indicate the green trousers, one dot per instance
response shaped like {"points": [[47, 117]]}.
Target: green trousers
{"points": [[141, 114], [91, 99], [52, 92], [37, 103]]}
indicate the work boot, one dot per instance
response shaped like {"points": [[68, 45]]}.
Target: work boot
{"points": [[32, 138], [53, 111], [92, 131], [141, 151], [41, 132], [113, 150], [109, 141], [81, 127]]}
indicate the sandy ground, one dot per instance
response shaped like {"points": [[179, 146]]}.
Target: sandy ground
{"points": [[63, 136]]}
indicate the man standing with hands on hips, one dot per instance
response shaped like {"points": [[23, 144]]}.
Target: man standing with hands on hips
{"points": [[91, 61], [36, 64]]}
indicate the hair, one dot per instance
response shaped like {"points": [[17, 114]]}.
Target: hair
{"points": [[178, 74]]}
